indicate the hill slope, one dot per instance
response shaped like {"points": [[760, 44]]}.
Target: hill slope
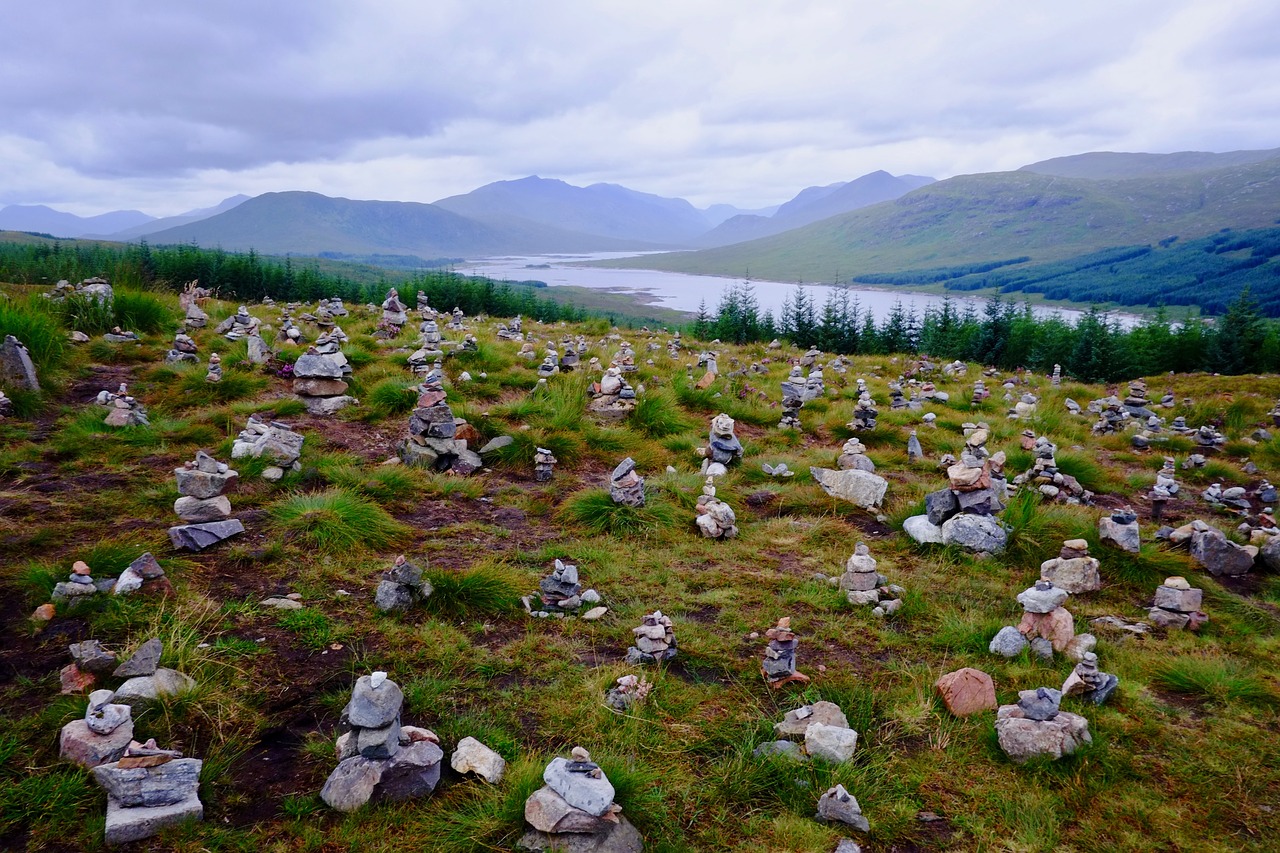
{"points": [[1000, 215], [1114, 165], [606, 210], [309, 223], [813, 204], [174, 221], [46, 220]]}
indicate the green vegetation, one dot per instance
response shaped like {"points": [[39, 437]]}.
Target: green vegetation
{"points": [[472, 663]]}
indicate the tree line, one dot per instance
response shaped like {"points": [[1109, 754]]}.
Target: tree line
{"points": [[1006, 334]]}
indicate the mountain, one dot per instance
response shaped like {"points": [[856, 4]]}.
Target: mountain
{"points": [[813, 204], [163, 223], [978, 219], [46, 220], [717, 213], [605, 210], [1118, 165], [306, 223]]}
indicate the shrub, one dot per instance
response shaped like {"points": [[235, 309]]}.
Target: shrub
{"points": [[337, 520]]}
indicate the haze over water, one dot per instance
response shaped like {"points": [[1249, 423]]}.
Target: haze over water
{"points": [[685, 292]]}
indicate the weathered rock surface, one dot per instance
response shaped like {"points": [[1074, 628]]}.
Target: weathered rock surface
{"points": [[967, 691], [857, 487], [471, 756]]}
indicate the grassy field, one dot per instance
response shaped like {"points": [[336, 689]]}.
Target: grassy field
{"points": [[1185, 757]]}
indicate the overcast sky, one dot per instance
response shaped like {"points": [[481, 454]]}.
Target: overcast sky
{"points": [[167, 106]]}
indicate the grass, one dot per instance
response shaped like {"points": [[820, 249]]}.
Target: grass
{"points": [[472, 663], [29, 321], [336, 520]]}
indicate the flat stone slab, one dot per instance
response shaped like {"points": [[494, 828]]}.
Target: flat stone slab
{"points": [[579, 790], [79, 744], [125, 824], [858, 487], [197, 537], [622, 838]]}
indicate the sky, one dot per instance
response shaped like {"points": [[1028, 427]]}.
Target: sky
{"points": [[165, 107]]}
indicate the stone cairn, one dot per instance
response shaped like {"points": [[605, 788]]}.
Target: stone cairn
{"points": [[511, 331], [980, 392], [853, 457], [864, 585], [655, 641], [626, 487], [1045, 477], [550, 363], [915, 452], [145, 571], [821, 727], [118, 335], [149, 789], [1208, 439], [1073, 569], [183, 350], [612, 398], [394, 315], [1048, 625], [214, 374], [103, 734], [456, 319], [1089, 683], [723, 447], [6, 405], [576, 801], [1275, 414], [1056, 379], [125, 411], [561, 594], [963, 513], [275, 441], [319, 375], [433, 430], [1177, 605], [238, 325], [378, 759], [401, 587], [1036, 727], [629, 690], [715, 518], [837, 805], [864, 411], [1120, 529], [203, 505], [779, 664], [793, 390], [543, 464], [289, 333], [96, 289]]}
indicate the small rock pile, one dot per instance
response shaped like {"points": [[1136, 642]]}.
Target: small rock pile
{"points": [[1045, 622], [576, 800], [319, 375], [626, 487], [821, 727], [1073, 569], [793, 391], [214, 374], [238, 325], [853, 457], [101, 736], [963, 513], [433, 431], [202, 484], [1164, 489], [401, 587], [854, 479], [1046, 478], [839, 806], [149, 789], [715, 518], [143, 573], [543, 464], [723, 447], [1121, 530], [655, 641], [1036, 727], [1177, 605], [125, 411], [1089, 683], [378, 759], [561, 594], [864, 411], [394, 314], [275, 441], [611, 398], [629, 690], [183, 351], [864, 585], [779, 664], [95, 289]]}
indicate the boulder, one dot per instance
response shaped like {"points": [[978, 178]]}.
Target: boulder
{"points": [[860, 488], [796, 722], [967, 691], [919, 528], [1123, 536], [1023, 739], [830, 743], [975, 533], [1219, 555]]}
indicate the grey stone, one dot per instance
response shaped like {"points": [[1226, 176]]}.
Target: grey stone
{"points": [[838, 805], [392, 597], [16, 368], [1008, 642], [162, 785], [327, 405], [124, 825], [68, 591], [783, 748], [919, 528], [860, 488], [497, 444], [1219, 555], [547, 811], [796, 722], [579, 790], [80, 744], [471, 756], [90, 656], [414, 771], [382, 742], [145, 689], [147, 566], [193, 482], [351, 783], [198, 510], [621, 837], [197, 537], [1042, 649], [1023, 739], [1182, 600], [1124, 536], [940, 505], [106, 717], [372, 707], [315, 365], [1040, 704], [144, 661], [1044, 597], [1270, 554], [830, 743], [975, 533]]}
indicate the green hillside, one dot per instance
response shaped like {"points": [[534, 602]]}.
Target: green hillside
{"points": [[998, 216]]}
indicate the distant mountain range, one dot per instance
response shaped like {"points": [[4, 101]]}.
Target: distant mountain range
{"points": [[46, 220], [155, 225]]}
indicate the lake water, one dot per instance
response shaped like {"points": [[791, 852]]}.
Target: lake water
{"points": [[683, 292]]}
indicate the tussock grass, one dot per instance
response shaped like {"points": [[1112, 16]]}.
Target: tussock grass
{"points": [[485, 590], [657, 415], [389, 397], [29, 321], [595, 512], [337, 520], [1216, 677]]}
